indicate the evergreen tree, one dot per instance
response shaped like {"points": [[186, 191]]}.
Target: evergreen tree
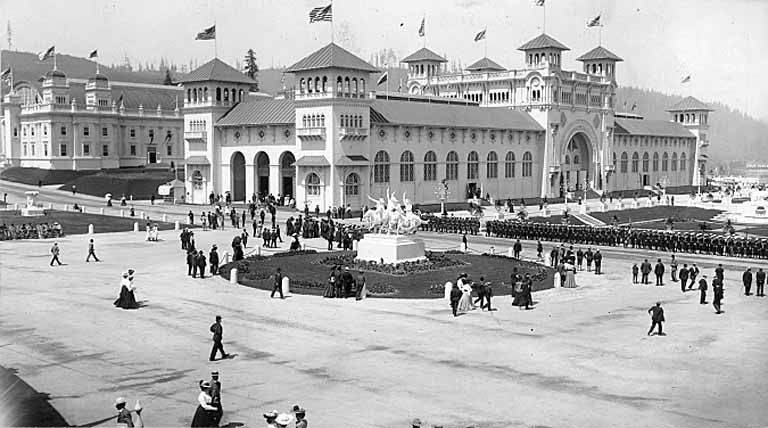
{"points": [[251, 68]]}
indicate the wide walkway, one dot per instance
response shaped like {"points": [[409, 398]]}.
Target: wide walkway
{"points": [[581, 358]]}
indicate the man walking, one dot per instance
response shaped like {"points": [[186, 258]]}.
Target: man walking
{"points": [[746, 278], [213, 259], [684, 277], [659, 272], [693, 273], [517, 248], [218, 334], [91, 252], [657, 318], [216, 397], [598, 258], [673, 268], [760, 281], [200, 262], [55, 251], [717, 288], [703, 289], [278, 285]]}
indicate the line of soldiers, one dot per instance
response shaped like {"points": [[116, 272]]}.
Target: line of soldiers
{"points": [[451, 224], [30, 231], [662, 240]]}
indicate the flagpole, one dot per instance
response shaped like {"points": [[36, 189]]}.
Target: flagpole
{"points": [[215, 41], [485, 42], [544, 27], [424, 20], [54, 59], [332, 31]]}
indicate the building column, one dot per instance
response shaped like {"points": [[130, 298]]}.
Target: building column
{"points": [[274, 179], [250, 181]]}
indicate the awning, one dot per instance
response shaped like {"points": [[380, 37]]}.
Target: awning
{"points": [[197, 160], [312, 161], [353, 160]]}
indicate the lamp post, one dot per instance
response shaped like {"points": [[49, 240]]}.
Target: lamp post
{"points": [[441, 191]]}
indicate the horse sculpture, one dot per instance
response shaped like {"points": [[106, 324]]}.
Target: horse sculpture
{"points": [[393, 219]]}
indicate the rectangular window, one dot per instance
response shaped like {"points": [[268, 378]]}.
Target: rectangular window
{"points": [[62, 150], [104, 132], [133, 133], [45, 130], [15, 131], [170, 151], [45, 149], [86, 131], [133, 150], [33, 130], [24, 150], [151, 135], [63, 130], [105, 150], [86, 149], [33, 149]]}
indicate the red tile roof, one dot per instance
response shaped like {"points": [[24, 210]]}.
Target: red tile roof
{"points": [[331, 56], [543, 41]]}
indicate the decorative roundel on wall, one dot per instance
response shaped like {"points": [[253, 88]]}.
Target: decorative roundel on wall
{"points": [[474, 135], [287, 133], [453, 135], [382, 133], [431, 134], [407, 134], [237, 134], [261, 134], [493, 137]]}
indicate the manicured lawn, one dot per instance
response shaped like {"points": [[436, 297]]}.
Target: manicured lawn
{"points": [[680, 214], [140, 183], [555, 219], [47, 176], [74, 223], [309, 276]]}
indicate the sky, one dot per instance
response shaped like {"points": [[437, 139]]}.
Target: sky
{"points": [[722, 44]]}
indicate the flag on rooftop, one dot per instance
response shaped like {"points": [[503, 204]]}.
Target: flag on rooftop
{"points": [[207, 34], [42, 56], [5, 75], [319, 14], [594, 22], [383, 78], [686, 79], [94, 54], [539, 2], [480, 36], [634, 106], [422, 30]]}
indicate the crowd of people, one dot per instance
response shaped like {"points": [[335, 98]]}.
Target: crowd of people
{"points": [[343, 284], [450, 224], [662, 240], [30, 231]]}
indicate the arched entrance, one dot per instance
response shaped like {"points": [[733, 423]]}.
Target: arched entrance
{"points": [[576, 166], [238, 176], [262, 174], [287, 175], [352, 190]]}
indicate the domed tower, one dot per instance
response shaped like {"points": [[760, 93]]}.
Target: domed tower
{"points": [[694, 115], [55, 88], [542, 51], [422, 65], [600, 61], [97, 92]]}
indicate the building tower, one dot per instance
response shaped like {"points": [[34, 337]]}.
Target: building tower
{"points": [[543, 51], [333, 109], [209, 92], [98, 94], [422, 65], [694, 115], [601, 62]]}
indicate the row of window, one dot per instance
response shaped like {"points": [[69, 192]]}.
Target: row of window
{"points": [[351, 121], [346, 86], [197, 125], [621, 139], [195, 95], [691, 118], [87, 132], [313, 121], [665, 161], [86, 150], [536, 59], [381, 166]]}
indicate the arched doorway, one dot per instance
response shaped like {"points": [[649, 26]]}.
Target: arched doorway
{"points": [[287, 175], [352, 190], [262, 174], [576, 165], [238, 176]]}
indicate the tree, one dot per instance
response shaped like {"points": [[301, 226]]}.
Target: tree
{"points": [[168, 81], [251, 68]]}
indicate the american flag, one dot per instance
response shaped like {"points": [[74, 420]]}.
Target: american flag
{"points": [[594, 22], [539, 2], [422, 31], [207, 34], [319, 14]]}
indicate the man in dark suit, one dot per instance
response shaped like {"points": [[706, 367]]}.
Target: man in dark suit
{"points": [[746, 278], [657, 318], [703, 289], [760, 281], [216, 397], [191, 265], [200, 262], [598, 257], [717, 288], [658, 270], [517, 248], [719, 272], [213, 259], [684, 272], [218, 335], [455, 297], [278, 284]]}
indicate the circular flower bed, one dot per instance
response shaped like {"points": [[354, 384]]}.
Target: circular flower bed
{"points": [[434, 261]]}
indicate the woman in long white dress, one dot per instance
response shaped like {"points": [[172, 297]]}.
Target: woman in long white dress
{"points": [[570, 276], [465, 303]]}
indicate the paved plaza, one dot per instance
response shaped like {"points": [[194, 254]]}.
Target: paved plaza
{"points": [[581, 358]]}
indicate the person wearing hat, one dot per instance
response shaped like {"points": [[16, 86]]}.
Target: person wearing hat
{"points": [[657, 318], [282, 420], [205, 414], [345, 283], [270, 418], [126, 299], [218, 334], [213, 260], [703, 289], [200, 262], [215, 394], [300, 413], [124, 417], [278, 284], [416, 423]]}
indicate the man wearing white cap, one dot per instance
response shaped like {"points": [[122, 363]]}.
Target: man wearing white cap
{"points": [[124, 417], [283, 420], [270, 418]]}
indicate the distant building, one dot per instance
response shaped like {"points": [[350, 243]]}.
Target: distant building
{"points": [[535, 132]]}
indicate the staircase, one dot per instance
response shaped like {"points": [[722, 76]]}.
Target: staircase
{"points": [[588, 220]]}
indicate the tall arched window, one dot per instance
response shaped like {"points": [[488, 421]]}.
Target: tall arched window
{"points": [[492, 167], [302, 86], [325, 84], [352, 185], [624, 161], [346, 86], [205, 94], [362, 87], [473, 165], [646, 161], [509, 165], [322, 120], [313, 184], [339, 86], [354, 86], [189, 95], [226, 94], [194, 95], [682, 161], [655, 161], [674, 162], [567, 160], [635, 162], [381, 167], [218, 95], [527, 164], [665, 161], [304, 121], [452, 166], [615, 161], [317, 84], [406, 166], [430, 166]]}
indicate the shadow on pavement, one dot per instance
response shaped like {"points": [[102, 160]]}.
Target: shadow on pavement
{"points": [[23, 406]]}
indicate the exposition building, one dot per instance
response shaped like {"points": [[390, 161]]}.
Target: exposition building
{"points": [[533, 132]]}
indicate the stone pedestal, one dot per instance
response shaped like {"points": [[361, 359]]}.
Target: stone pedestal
{"points": [[286, 286], [375, 247], [30, 210]]}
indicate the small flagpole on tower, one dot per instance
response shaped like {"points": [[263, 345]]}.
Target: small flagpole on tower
{"points": [[54, 59], [332, 31], [544, 11], [485, 43], [424, 20], [215, 41]]}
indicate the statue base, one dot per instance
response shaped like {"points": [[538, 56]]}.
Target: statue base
{"points": [[375, 247], [32, 212]]}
